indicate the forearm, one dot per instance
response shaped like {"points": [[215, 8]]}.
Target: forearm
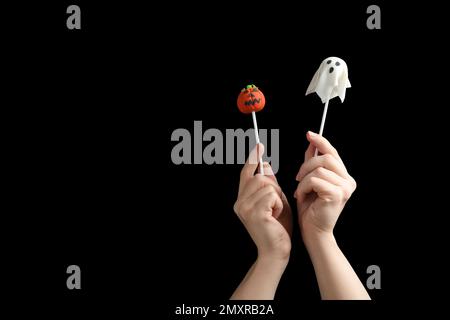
{"points": [[261, 281], [336, 278]]}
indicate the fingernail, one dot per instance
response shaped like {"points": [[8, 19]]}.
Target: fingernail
{"points": [[312, 134], [268, 169]]}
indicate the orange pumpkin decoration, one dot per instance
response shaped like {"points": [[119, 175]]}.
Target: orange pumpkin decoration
{"points": [[251, 99]]}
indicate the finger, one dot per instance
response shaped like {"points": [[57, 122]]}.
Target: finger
{"points": [[269, 202], [268, 172], [330, 176], [322, 144], [309, 153], [252, 163], [333, 178], [256, 183], [246, 207], [324, 189], [326, 161], [262, 193]]}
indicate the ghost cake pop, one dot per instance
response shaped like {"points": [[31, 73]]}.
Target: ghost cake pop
{"points": [[329, 81], [252, 100]]}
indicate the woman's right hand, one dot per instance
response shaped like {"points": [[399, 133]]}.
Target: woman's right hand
{"points": [[323, 190]]}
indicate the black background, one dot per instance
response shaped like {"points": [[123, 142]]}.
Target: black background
{"points": [[95, 108]]}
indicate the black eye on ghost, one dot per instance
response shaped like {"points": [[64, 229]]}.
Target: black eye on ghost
{"points": [[336, 64]]}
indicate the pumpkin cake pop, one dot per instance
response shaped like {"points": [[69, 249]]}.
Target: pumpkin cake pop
{"points": [[252, 100]]}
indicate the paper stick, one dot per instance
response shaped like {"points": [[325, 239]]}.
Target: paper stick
{"points": [[255, 125], [322, 124]]}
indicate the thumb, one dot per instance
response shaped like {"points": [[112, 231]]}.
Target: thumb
{"points": [[268, 172], [252, 162]]}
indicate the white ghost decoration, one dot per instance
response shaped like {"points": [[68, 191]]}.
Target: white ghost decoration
{"points": [[330, 80]]}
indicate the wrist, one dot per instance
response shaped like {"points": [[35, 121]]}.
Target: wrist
{"points": [[312, 236], [273, 261]]}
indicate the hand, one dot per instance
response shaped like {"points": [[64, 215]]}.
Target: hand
{"points": [[264, 210], [324, 188]]}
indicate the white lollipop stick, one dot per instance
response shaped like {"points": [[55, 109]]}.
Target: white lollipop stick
{"points": [[322, 124], [255, 125]]}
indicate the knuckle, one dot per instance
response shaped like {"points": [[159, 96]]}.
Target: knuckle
{"points": [[259, 178], [302, 168], [345, 194], [333, 150], [246, 207], [273, 189], [328, 158], [238, 207], [241, 208], [340, 195], [319, 171], [235, 207], [313, 180], [269, 188], [353, 183], [271, 197], [274, 194]]}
